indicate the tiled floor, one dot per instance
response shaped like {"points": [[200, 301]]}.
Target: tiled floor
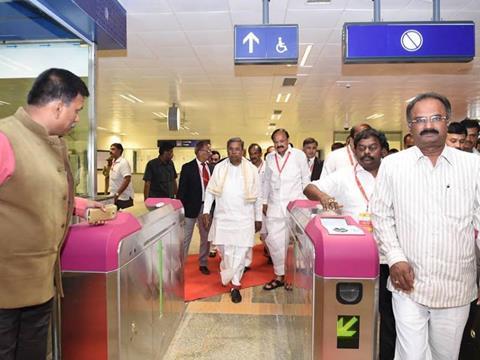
{"points": [[218, 329], [215, 328]]}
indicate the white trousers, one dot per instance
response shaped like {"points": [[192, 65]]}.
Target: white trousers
{"points": [[233, 263], [427, 333], [276, 241], [249, 257]]}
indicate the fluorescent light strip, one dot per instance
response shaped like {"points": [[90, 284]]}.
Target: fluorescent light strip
{"points": [[374, 116], [288, 97], [305, 54], [159, 114], [279, 96], [127, 98], [13, 64], [411, 99], [4, 103], [135, 98], [101, 128]]}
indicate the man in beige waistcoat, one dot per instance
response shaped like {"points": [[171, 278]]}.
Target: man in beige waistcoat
{"points": [[37, 201]]}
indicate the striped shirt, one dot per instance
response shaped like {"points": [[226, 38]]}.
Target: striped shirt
{"points": [[425, 215]]}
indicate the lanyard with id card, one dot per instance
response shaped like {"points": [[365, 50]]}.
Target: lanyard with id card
{"points": [[364, 218], [278, 184]]}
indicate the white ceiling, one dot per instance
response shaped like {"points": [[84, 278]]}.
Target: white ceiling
{"points": [[182, 51]]}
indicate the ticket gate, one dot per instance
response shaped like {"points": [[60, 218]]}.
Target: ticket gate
{"points": [[332, 270], [123, 284]]}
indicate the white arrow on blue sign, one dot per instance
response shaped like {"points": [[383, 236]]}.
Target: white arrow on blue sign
{"points": [[266, 44]]}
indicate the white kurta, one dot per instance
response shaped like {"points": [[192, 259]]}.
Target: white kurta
{"points": [[281, 187], [234, 218], [338, 159], [343, 187], [233, 225]]}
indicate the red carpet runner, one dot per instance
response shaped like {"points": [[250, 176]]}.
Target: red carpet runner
{"points": [[199, 286]]}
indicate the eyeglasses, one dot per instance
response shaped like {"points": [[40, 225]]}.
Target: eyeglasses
{"points": [[425, 119]]}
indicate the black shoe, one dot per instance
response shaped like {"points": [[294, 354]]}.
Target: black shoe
{"points": [[270, 262], [204, 270], [236, 296], [247, 268]]}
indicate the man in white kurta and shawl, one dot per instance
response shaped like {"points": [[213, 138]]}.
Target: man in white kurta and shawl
{"points": [[235, 187]]}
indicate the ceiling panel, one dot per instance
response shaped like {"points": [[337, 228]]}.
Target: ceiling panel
{"points": [[143, 22], [313, 18], [157, 39], [182, 50], [198, 6], [205, 21]]}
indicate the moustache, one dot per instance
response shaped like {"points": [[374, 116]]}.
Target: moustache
{"points": [[367, 158], [429, 131]]}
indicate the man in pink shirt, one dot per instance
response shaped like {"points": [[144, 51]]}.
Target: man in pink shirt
{"points": [[36, 197]]}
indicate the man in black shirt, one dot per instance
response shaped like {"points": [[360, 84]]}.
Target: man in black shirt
{"points": [[160, 174]]}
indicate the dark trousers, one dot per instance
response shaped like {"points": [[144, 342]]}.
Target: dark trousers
{"points": [[123, 204], [388, 335], [24, 332]]}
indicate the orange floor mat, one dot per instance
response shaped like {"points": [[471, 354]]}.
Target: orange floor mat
{"points": [[199, 286]]}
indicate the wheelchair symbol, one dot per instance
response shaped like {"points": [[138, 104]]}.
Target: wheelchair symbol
{"points": [[281, 47]]}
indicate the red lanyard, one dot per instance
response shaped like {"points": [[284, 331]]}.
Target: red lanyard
{"points": [[280, 169], [359, 184], [350, 155]]}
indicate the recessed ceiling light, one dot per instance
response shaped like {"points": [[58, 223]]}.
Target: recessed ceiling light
{"points": [[135, 98], [305, 54], [374, 116], [127, 98]]}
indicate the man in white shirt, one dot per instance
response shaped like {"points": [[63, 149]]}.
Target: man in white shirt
{"points": [[286, 175], [343, 156], [235, 187], [348, 191], [473, 129], [120, 178], [425, 208], [456, 135]]}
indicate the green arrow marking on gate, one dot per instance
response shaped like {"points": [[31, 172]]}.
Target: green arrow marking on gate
{"points": [[343, 330]]}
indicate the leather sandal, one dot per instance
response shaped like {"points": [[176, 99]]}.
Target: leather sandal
{"points": [[272, 285]]}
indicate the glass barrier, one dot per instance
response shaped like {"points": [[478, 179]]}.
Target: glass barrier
{"points": [[21, 63]]}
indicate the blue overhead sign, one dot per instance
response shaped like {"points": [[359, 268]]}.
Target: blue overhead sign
{"points": [[266, 44], [449, 41]]}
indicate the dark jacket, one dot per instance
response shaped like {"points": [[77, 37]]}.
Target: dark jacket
{"points": [[190, 188], [317, 169]]}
